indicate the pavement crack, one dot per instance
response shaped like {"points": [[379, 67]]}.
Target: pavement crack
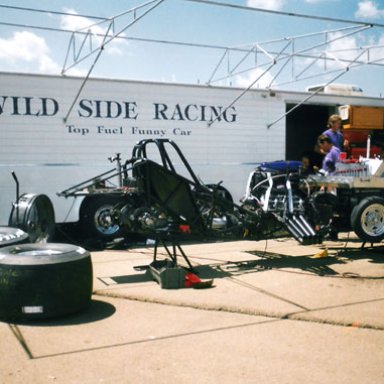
{"points": [[250, 286], [162, 338], [292, 316]]}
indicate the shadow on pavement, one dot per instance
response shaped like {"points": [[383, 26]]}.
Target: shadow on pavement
{"points": [[320, 266], [270, 261], [373, 254], [96, 311]]}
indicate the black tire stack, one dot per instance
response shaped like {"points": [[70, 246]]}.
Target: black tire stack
{"points": [[41, 281]]}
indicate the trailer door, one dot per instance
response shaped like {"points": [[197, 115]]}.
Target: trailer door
{"points": [[303, 126]]}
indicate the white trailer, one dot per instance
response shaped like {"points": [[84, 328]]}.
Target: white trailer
{"points": [[53, 136]]}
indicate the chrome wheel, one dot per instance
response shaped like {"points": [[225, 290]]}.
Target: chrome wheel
{"points": [[372, 220], [367, 219], [104, 222]]}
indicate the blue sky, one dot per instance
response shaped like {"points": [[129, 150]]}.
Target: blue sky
{"points": [[25, 49]]}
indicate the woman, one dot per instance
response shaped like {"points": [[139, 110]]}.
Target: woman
{"points": [[333, 132]]}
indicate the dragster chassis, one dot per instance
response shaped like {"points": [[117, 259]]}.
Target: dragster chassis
{"points": [[154, 200]]}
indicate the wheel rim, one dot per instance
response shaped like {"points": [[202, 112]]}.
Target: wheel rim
{"points": [[104, 221], [35, 215], [37, 225], [372, 220]]}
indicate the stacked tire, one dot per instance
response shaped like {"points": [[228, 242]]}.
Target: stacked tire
{"points": [[41, 281]]}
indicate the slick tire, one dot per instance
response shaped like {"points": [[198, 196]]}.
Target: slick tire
{"points": [[11, 236], [40, 281]]}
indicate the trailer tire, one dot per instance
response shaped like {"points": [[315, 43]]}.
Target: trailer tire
{"points": [[35, 215], [11, 236], [39, 281], [96, 218], [367, 219]]}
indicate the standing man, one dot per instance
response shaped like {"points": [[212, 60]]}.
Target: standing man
{"points": [[333, 132], [332, 154]]}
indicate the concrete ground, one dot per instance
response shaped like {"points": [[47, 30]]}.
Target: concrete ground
{"points": [[277, 312]]}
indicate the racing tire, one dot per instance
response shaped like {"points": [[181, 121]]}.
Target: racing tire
{"points": [[367, 219], [11, 236], [35, 215], [96, 218], [40, 281]]}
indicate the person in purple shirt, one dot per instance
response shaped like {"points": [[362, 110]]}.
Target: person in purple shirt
{"points": [[333, 132], [332, 154]]}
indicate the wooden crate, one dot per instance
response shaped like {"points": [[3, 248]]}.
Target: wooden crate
{"points": [[357, 117]]}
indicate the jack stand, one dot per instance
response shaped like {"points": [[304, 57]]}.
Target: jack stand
{"points": [[363, 245], [172, 254]]}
